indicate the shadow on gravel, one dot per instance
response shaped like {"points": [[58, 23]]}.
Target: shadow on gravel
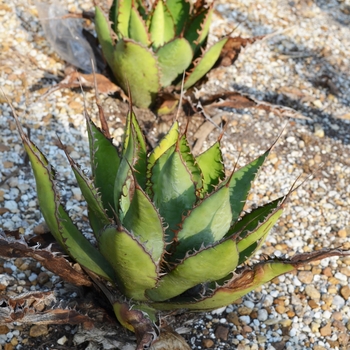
{"points": [[313, 67]]}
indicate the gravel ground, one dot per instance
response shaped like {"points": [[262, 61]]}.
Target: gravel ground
{"points": [[302, 66]]}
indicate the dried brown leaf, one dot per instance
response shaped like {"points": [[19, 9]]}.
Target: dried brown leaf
{"points": [[12, 248]]}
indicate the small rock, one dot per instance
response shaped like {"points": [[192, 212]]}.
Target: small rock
{"points": [[326, 330], [43, 277], [305, 276], [318, 130], [12, 206], [345, 292], [338, 301], [4, 329], [221, 332], [314, 327], [312, 292], [62, 340], [207, 343], [38, 330], [262, 315], [280, 345]]}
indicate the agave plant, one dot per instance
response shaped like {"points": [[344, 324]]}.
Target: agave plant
{"points": [[148, 48], [169, 226]]}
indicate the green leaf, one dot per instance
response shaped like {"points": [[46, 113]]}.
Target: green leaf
{"points": [[103, 30], [198, 268], [144, 222], [173, 201], [164, 144], [254, 240], [191, 163], [207, 223], [180, 11], [212, 167], [119, 15], [173, 58], [136, 66], [129, 257], [234, 289], [104, 164], [60, 224], [161, 26], [92, 197], [137, 28], [240, 183], [205, 63], [198, 29]]}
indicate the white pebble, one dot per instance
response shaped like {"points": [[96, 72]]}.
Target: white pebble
{"points": [[262, 315], [12, 206], [32, 277]]}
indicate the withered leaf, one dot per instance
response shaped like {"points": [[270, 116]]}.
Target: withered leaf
{"points": [[233, 47], [26, 309], [76, 80], [14, 248]]}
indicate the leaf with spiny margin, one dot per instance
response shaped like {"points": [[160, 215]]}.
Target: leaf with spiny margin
{"points": [[104, 35], [175, 199], [237, 287], [92, 197], [240, 183], [173, 58], [136, 66], [124, 178], [254, 240], [132, 128], [212, 167], [164, 144], [198, 268], [58, 221], [205, 63], [144, 222], [191, 163], [161, 24], [105, 162], [137, 28], [206, 224], [180, 11], [134, 267], [198, 28], [119, 15]]}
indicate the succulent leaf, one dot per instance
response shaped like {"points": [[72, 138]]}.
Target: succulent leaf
{"points": [[212, 166], [136, 66], [180, 11], [170, 68], [198, 28], [253, 241], [126, 255], [120, 16], [103, 30], [105, 162], [138, 30], [191, 162], [143, 221], [173, 201], [164, 144], [60, 224], [238, 286], [198, 268], [205, 63], [92, 197], [133, 165], [241, 182], [207, 223], [161, 26]]}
